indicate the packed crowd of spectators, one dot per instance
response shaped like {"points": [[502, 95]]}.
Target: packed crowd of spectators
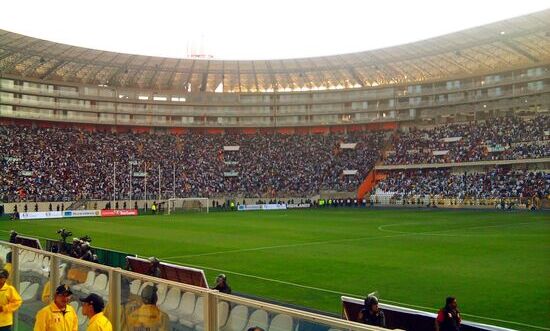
{"points": [[506, 138], [53, 164], [500, 182]]}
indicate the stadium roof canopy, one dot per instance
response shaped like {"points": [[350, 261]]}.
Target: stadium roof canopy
{"points": [[513, 43]]}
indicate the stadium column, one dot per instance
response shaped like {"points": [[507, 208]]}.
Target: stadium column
{"points": [[115, 301], [54, 275], [210, 311]]}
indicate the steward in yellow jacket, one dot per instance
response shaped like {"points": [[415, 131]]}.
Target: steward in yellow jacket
{"points": [[10, 301], [92, 307], [58, 315]]}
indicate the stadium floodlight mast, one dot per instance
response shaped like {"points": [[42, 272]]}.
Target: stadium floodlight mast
{"points": [[174, 181], [131, 179], [146, 186], [114, 184]]}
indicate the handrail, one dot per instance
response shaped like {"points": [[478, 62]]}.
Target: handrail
{"points": [[210, 296], [298, 313], [459, 164]]}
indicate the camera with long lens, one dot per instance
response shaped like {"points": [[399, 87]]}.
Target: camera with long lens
{"points": [[64, 234]]}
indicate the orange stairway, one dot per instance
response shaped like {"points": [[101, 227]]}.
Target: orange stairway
{"points": [[369, 183]]}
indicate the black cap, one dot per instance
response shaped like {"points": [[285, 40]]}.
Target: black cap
{"points": [[63, 290], [4, 273], [149, 295], [95, 300], [371, 300]]}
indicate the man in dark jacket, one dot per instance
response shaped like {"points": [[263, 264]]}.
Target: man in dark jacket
{"points": [[371, 314], [221, 284], [448, 317]]}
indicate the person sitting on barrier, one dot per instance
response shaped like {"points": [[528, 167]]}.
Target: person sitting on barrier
{"points": [[92, 307], [10, 301], [221, 284], [148, 316], [448, 317], [58, 315], [154, 267], [371, 314]]}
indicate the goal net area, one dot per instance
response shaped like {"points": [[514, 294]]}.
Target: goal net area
{"points": [[181, 205]]}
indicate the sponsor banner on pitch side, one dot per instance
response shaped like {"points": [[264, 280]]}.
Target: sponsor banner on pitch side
{"points": [[262, 207], [118, 212], [249, 207], [298, 205], [270, 206], [40, 215], [81, 213]]}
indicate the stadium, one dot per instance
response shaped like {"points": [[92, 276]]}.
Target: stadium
{"points": [[410, 173]]}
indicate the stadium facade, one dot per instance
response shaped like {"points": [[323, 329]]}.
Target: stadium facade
{"points": [[473, 74]]}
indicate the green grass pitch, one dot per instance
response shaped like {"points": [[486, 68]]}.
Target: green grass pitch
{"points": [[496, 263]]}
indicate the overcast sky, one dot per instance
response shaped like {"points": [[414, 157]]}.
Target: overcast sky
{"points": [[248, 29]]}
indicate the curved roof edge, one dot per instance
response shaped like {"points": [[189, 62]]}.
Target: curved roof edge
{"points": [[517, 42]]}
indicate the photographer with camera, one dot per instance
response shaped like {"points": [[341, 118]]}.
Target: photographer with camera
{"points": [[64, 234]]}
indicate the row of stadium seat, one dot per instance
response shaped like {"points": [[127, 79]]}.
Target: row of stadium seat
{"points": [[31, 261], [28, 290], [186, 309], [95, 282]]}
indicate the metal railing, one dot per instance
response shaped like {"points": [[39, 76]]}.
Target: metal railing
{"points": [[179, 306]]}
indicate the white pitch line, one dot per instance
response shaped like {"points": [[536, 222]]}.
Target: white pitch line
{"points": [[335, 241], [311, 243], [339, 293], [442, 232]]}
